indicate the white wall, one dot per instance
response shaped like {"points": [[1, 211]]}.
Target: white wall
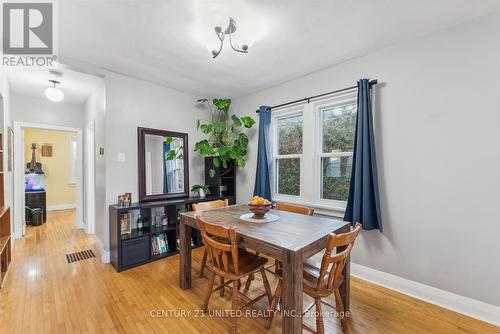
{"points": [[95, 163], [436, 123], [35, 110], [132, 103]]}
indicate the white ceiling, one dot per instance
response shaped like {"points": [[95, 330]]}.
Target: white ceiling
{"points": [[76, 86], [153, 39]]}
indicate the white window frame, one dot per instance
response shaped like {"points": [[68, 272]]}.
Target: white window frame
{"points": [[319, 107], [276, 116], [310, 159]]}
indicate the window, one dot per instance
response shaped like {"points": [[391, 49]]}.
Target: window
{"points": [[313, 151], [288, 154], [72, 162], [337, 144]]}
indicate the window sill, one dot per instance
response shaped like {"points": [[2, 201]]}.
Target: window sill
{"points": [[320, 209]]}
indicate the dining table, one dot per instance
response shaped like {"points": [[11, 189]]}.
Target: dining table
{"points": [[292, 239]]}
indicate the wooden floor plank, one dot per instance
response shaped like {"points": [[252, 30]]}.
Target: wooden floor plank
{"points": [[45, 294]]}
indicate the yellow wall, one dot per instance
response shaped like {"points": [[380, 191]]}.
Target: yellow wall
{"points": [[57, 167]]}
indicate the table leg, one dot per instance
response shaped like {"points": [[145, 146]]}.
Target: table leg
{"points": [[185, 255], [345, 287], [293, 266]]}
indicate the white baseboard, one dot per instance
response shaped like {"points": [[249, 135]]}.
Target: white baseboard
{"points": [[464, 305], [61, 207], [105, 256]]}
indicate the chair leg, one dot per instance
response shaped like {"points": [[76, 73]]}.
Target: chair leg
{"points": [[320, 327], [339, 305], [250, 278], [203, 262], [234, 307], [267, 287], [209, 292], [223, 287], [274, 304]]}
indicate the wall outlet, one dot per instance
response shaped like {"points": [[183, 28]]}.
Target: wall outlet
{"points": [[121, 157]]}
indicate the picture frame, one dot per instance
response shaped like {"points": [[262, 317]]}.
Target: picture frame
{"points": [[46, 150], [126, 223]]}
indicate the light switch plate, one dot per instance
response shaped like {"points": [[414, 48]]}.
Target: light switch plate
{"points": [[121, 157]]}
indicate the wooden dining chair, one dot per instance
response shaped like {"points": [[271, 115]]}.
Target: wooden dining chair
{"points": [[323, 280], [294, 208], [232, 264], [290, 208], [206, 206]]}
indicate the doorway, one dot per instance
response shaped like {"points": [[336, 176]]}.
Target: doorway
{"points": [[48, 173]]}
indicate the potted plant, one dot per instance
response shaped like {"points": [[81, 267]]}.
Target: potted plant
{"points": [[202, 190], [226, 140]]}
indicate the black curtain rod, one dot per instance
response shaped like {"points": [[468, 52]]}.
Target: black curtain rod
{"points": [[308, 99]]}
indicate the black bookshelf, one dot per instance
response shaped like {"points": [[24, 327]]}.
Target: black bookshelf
{"points": [[135, 248], [223, 184]]}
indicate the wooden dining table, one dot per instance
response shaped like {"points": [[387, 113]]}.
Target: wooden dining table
{"points": [[291, 239]]}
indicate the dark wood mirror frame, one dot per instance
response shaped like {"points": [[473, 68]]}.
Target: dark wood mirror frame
{"points": [[141, 135]]}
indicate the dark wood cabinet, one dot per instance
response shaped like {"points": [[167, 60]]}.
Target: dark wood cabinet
{"points": [[223, 184], [37, 199], [135, 248]]}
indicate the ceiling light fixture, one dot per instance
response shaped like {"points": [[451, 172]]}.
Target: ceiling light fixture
{"points": [[53, 93], [246, 25], [231, 29]]}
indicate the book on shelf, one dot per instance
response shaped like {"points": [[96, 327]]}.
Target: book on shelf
{"points": [[159, 244]]}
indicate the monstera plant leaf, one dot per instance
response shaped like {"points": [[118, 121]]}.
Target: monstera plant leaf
{"points": [[222, 104], [226, 142]]}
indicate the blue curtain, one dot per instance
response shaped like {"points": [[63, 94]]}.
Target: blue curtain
{"points": [[166, 186], [363, 202], [264, 155]]}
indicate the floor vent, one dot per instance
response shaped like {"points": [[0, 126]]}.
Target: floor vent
{"points": [[79, 256]]}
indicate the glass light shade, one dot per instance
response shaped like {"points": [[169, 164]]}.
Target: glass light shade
{"points": [[54, 94], [250, 26]]}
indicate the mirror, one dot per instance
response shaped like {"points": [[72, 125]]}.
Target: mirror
{"points": [[163, 164]]}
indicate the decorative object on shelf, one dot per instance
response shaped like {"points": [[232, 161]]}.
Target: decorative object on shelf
{"points": [[159, 219], [125, 200], [229, 31], [140, 222], [126, 222], [165, 220], [46, 150], [226, 140], [53, 93], [203, 190]]}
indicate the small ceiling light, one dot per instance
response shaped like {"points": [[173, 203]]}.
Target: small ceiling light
{"points": [[53, 93], [231, 29]]}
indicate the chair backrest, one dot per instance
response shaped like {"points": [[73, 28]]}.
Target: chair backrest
{"points": [[210, 205], [219, 253], [332, 265], [294, 208]]}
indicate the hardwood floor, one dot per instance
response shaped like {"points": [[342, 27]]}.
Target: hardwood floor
{"points": [[45, 294]]}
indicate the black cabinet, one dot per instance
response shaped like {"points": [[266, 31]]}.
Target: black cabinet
{"points": [[223, 184], [138, 247], [37, 199], [135, 251]]}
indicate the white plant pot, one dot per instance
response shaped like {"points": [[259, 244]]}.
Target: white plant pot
{"points": [[202, 193]]}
